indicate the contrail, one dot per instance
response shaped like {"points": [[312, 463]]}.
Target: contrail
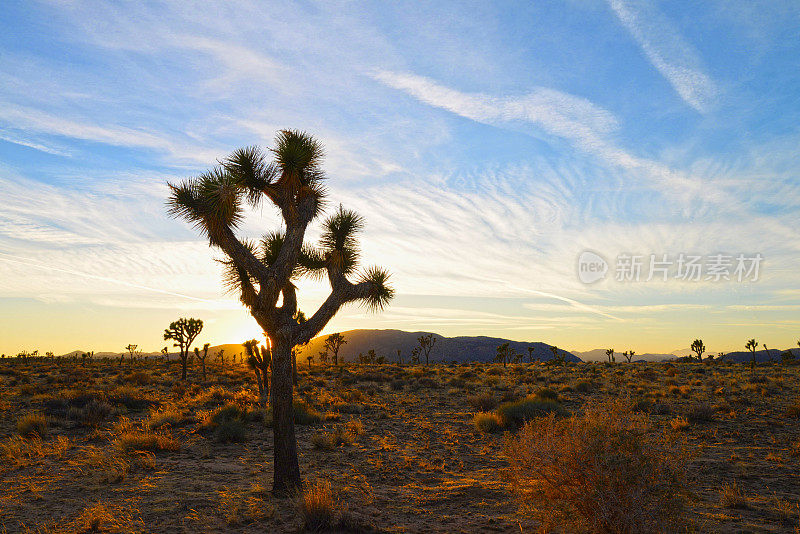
{"points": [[30, 263], [572, 302]]}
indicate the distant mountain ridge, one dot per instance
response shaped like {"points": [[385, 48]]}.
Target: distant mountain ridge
{"points": [[597, 355], [447, 349]]}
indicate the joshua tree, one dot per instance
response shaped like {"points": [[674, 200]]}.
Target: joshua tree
{"points": [[426, 344], [165, 353], [259, 361], [264, 273], [183, 332], [333, 343], [371, 356], [503, 354], [399, 357], [221, 356], [628, 355], [310, 359], [610, 355], [131, 348], [530, 354], [752, 345], [323, 357], [558, 356], [698, 348], [203, 357]]}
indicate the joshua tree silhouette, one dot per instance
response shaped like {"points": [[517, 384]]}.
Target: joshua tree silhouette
{"points": [[333, 343], [752, 345], [698, 348], [183, 332], [264, 273]]}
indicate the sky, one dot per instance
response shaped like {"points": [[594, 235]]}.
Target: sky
{"points": [[488, 145]]}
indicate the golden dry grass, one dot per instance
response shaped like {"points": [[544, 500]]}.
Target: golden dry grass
{"points": [[407, 449]]}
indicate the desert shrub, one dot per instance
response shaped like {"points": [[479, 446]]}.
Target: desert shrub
{"points": [[583, 386], [457, 382], [32, 425], [487, 422], [28, 389], [482, 402], [136, 440], [304, 414], [129, 397], [495, 371], [700, 413], [793, 410], [348, 407], [427, 382], [547, 393], [397, 384], [605, 470], [731, 496], [139, 378], [330, 440], [95, 412], [104, 467], [515, 414], [230, 431], [355, 427], [166, 417]]}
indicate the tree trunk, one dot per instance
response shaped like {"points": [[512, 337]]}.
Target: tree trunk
{"points": [[294, 368], [265, 391], [184, 359], [257, 372], [286, 468]]}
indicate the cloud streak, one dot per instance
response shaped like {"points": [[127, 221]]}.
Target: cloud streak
{"points": [[668, 51]]}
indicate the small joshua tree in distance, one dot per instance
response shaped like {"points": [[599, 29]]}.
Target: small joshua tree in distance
{"points": [[503, 354], [333, 343], [131, 348], [426, 344], [264, 274], [698, 348], [610, 355], [183, 332], [202, 358], [752, 345]]}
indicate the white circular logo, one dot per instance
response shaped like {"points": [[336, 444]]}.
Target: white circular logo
{"points": [[591, 267]]}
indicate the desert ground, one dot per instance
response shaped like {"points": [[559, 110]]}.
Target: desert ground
{"points": [[126, 446]]}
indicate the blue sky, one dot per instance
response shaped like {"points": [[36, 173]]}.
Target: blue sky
{"points": [[487, 145]]}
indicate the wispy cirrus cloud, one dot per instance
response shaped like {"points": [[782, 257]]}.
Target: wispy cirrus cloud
{"points": [[668, 51], [569, 117], [34, 120]]}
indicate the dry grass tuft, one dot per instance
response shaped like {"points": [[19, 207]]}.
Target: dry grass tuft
{"points": [[731, 496], [487, 422], [679, 424], [32, 425], [242, 507], [319, 507], [102, 517]]}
